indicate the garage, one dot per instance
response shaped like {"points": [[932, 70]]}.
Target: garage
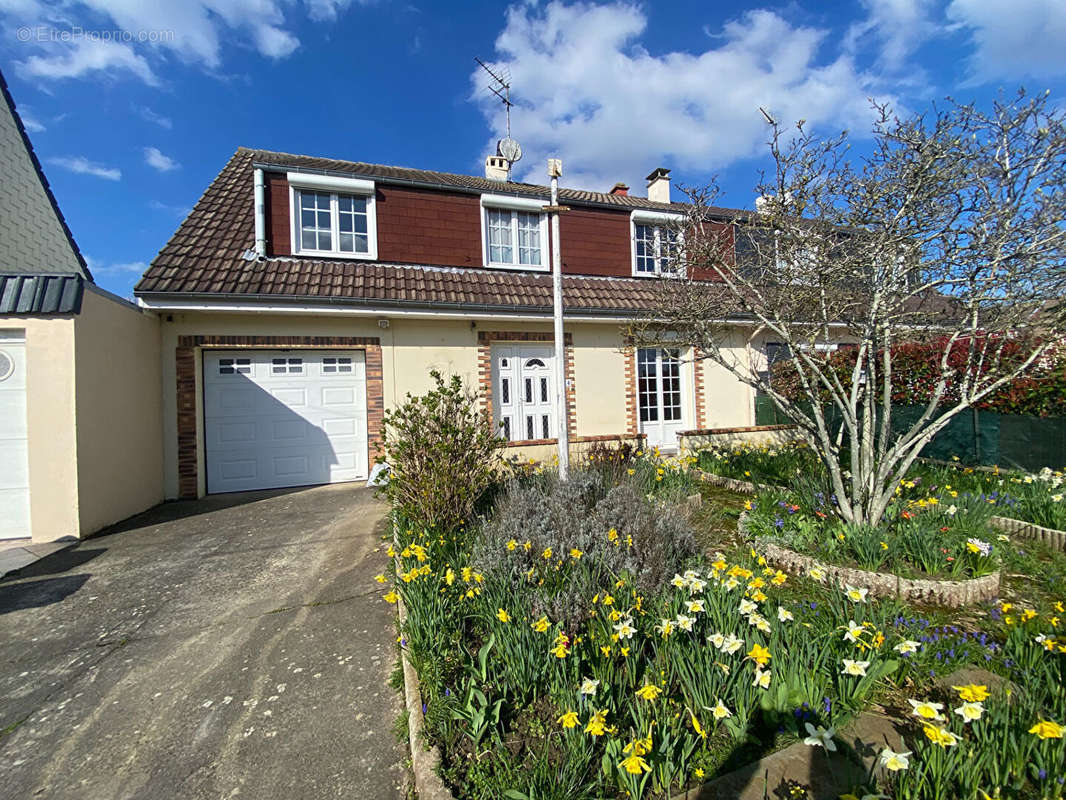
{"points": [[280, 418], [14, 450]]}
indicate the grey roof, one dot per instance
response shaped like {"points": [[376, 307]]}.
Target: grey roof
{"points": [[34, 236], [41, 294]]}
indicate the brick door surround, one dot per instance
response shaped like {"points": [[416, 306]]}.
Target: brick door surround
{"points": [[185, 359]]}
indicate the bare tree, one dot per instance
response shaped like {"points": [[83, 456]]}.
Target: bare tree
{"points": [[949, 232]]}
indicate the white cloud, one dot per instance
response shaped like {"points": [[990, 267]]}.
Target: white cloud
{"points": [[155, 159], [1013, 39], [84, 166], [149, 115], [30, 122], [85, 57], [123, 268], [196, 32], [589, 92], [178, 211], [899, 27]]}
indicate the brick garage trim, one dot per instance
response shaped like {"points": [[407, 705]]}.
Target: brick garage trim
{"points": [[697, 379], [185, 369], [485, 340], [630, 375]]}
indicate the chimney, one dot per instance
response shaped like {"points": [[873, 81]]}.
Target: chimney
{"points": [[659, 185], [620, 189], [497, 168]]}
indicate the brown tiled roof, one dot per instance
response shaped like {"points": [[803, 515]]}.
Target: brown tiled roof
{"points": [[206, 255]]}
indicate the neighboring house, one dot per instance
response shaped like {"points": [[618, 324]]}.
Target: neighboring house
{"points": [[286, 333], [80, 410]]}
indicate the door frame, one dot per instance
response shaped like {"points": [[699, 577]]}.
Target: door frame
{"points": [[685, 400]]}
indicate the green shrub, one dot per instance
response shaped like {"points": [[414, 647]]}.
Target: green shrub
{"points": [[443, 452]]}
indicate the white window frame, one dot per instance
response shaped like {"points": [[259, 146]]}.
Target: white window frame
{"points": [[333, 186], [657, 220], [527, 205]]}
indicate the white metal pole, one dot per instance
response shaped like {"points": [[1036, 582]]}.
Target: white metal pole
{"points": [[555, 169]]}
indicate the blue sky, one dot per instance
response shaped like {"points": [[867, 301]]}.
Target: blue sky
{"points": [[132, 127]]}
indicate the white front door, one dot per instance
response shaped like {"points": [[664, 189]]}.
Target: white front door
{"points": [[523, 391], [659, 395], [277, 418], [14, 442]]}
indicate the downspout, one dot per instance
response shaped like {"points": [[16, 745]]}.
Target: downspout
{"points": [[260, 215], [555, 169]]}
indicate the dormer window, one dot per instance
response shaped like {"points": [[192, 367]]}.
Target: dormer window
{"points": [[514, 232], [656, 243], [333, 216]]}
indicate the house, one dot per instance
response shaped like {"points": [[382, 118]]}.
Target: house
{"points": [[303, 296], [80, 402]]}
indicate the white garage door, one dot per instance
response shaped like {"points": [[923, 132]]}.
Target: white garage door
{"points": [[275, 418], [14, 445]]}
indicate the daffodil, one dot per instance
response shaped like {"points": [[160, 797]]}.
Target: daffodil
{"points": [[893, 761], [624, 628], [926, 709], [854, 631], [732, 644], [541, 625], [940, 736], [684, 622], [634, 764], [568, 720], [820, 737], [762, 679], [720, 711], [589, 687], [512, 544], [784, 615], [391, 597], [575, 554], [547, 554], [696, 725], [760, 655], [597, 724], [648, 691], [854, 667], [502, 615], [379, 578], [970, 711], [1047, 729], [747, 607], [856, 595], [717, 639], [906, 647], [816, 573], [694, 606], [972, 692]]}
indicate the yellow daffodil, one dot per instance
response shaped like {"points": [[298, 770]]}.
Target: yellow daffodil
{"points": [[449, 576], [649, 691], [379, 578], [547, 554], [575, 554], [391, 597], [634, 764], [568, 720], [760, 655], [541, 625], [597, 724], [1047, 729], [502, 615], [512, 544], [972, 693]]}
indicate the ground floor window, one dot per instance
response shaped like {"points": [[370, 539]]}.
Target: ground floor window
{"points": [[523, 391], [659, 384]]}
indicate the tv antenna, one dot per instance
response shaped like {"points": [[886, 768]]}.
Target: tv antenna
{"points": [[500, 86]]}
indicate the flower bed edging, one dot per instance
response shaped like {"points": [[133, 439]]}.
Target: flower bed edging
{"points": [[744, 487], [1029, 530], [950, 594], [424, 761]]}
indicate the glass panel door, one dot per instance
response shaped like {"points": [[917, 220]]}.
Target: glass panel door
{"points": [[659, 395]]}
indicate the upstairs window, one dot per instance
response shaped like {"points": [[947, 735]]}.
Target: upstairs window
{"points": [[656, 243], [333, 216], [515, 232]]}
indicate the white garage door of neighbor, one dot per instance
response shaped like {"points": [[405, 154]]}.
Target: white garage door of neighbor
{"points": [[277, 418], [14, 443]]}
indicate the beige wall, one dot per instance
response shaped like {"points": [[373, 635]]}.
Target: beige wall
{"points": [[728, 403], [119, 411], [50, 424]]}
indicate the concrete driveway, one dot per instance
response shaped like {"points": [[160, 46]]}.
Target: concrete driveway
{"points": [[235, 646]]}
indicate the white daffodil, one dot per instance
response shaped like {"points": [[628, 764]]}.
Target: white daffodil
{"points": [[854, 667], [817, 573], [730, 583], [747, 607], [951, 510], [970, 712], [717, 639], [732, 644], [906, 647], [784, 615], [720, 712], [624, 628], [678, 581], [926, 710], [694, 606], [589, 687], [685, 623], [696, 585], [820, 737], [762, 678], [854, 631], [893, 761], [856, 595]]}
